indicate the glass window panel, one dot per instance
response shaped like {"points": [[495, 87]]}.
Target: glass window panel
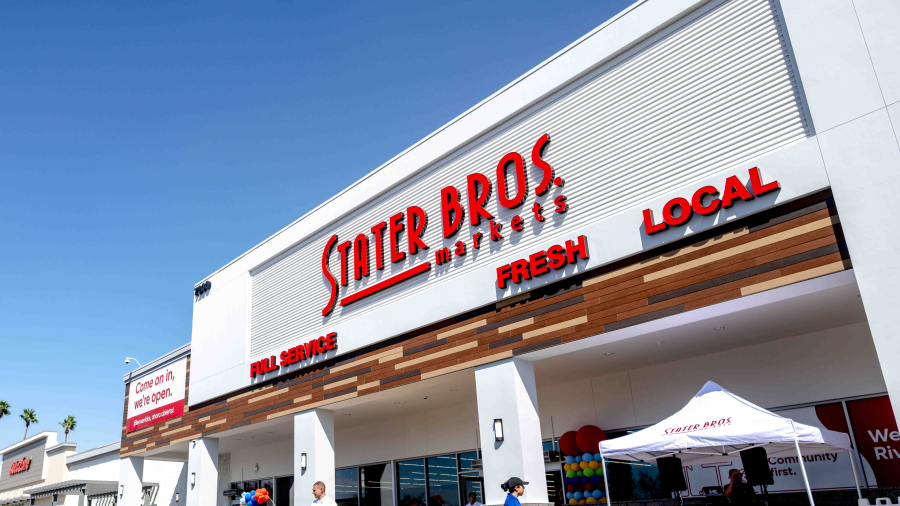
{"points": [[465, 460], [443, 484], [555, 487], [269, 485], [551, 446], [411, 482], [284, 491], [346, 487], [250, 486], [472, 485], [377, 485]]}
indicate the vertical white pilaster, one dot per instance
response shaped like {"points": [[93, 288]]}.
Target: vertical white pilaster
{"points": [[203, 472], [131, 481], [313, 436], [506, 390]]}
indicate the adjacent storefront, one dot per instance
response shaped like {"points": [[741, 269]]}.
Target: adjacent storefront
{"points": [[687, 193]]}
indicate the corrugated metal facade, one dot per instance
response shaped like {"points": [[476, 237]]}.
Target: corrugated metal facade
{"points": [[716, 91]]}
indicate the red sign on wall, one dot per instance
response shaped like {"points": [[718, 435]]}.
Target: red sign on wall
{"points": [[20, 466], [875, 430]]}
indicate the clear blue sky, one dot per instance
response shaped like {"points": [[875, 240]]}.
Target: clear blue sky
{"points": [[143, 145]]}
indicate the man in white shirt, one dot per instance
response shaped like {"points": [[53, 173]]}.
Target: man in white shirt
{"points": [[319, 493], [473, 500]]}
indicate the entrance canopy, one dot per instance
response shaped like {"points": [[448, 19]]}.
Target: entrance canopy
{"points": [[716, 424]]}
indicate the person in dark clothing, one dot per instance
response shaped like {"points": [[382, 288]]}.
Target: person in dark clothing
{"points": [[737, 491]]}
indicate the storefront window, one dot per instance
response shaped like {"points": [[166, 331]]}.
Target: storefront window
{"points": [[639, 480], [284, 491], [269, 485], [377, 485], [346, 487], [443, 485], [465, 460], [554, 487], [551, 446], [411, 480], [250, 486]]}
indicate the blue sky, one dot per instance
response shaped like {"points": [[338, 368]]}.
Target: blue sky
{"points": [[144, 145]]}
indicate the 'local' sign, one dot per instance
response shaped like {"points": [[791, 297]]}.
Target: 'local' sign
{"points": [[157, 397]]}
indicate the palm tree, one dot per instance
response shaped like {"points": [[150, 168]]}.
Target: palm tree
{"points": [[4, 408], [68, 424], [29, 417]]}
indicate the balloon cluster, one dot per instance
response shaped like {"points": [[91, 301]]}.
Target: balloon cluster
{"points": [[255, 498], [584, 472]]}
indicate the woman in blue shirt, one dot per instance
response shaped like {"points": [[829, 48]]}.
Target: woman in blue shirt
{"points": [[514, 488]]}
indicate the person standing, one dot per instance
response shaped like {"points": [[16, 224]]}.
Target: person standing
{"points": [[514, 488], [319, 493], [737, 491], [473, 500]]}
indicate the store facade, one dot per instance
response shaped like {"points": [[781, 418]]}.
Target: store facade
{"points": [[693, 191]]}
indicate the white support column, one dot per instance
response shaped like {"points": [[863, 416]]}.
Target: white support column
{"points": [[131, 481], [314, 437], [203, 472], [506, 391]]}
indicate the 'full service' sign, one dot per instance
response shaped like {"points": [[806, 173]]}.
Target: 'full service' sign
{"points": [[157, 397]]}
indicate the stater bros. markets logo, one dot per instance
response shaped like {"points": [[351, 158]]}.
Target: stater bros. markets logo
{"points": [[354, 255], [19, 466], [698, 427]]}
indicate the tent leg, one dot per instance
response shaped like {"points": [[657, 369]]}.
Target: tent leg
{"points": [[605, 480], [805, 479], [855, 477]]}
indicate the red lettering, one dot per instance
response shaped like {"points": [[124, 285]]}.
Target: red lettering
{"points": [[417, 220], [734, 190], [254, 369], [519, 271], [360, 256], [284, 358], [516, 223], [561, 205], [377, 231], [697, 200], [331, 341], [649, 227], [322, 344], [476, 201], [758, 187], [495, 231], [556, 257], [460, 248], [292, 355], [502, 275], [538, 212], [394, 229], [309, 349], [521, 186], [328, 276], [669, 215], [537, 263], [301, 352], [580, 249], [539, 162], [442, 256], [342, 253], [476, 240], [451, 211]]}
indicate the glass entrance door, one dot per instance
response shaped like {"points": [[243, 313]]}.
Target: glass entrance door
{"points": [[475, 485]]}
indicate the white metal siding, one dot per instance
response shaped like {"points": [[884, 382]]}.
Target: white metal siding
{"points": [[711, 93]]}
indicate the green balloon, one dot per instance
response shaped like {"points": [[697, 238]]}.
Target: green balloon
{"points": [[579, 474], [598, 471], [588, 472], [570, 474]]}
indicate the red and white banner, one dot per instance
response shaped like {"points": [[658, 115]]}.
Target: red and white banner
{"points": [[876, 434], [157, 397]]}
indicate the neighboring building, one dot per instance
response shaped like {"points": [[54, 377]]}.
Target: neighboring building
{"points": [[51, 474], [693, 191]]}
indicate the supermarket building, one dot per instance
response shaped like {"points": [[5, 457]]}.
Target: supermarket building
{"points": [[692, 191]]}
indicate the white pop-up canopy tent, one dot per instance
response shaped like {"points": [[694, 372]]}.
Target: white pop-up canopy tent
{"points": [[715, 424]]}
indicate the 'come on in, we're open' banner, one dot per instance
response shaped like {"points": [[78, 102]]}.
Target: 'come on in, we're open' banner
{"points": [[156, 397]]}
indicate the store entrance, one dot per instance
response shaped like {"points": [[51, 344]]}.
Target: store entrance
{"points": [[473, 485]]}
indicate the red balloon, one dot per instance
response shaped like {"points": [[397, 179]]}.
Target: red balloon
{"points": [[567, 444], [588, 438], [570, 487], [589, 487]]}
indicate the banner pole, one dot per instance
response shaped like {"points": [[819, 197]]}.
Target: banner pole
{"points": [[605, 480]]}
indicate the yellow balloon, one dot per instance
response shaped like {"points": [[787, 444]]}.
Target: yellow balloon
{"points": [[573, 501], [584, 465], [603, 499], [590, 500], [594, 464]]}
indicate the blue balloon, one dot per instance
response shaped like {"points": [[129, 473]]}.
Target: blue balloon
{"points": [[598, 457], [568, 481], [570, 460], [578, 458], [597, 494], [596, 479], [585, 480], [579, 496], [570, 495], [587, 457]]}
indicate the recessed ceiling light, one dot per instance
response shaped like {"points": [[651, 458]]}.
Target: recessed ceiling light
{"points": [[346, 414], [424, 398], [452, 389], [608, 353], [400, 402], [719, 328]]}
